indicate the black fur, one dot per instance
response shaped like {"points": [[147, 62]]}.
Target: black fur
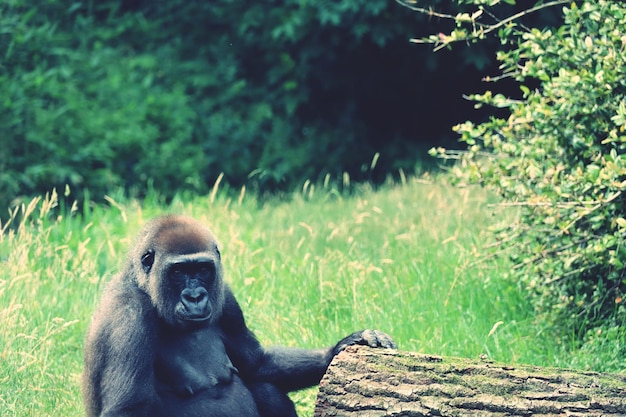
{"points": [[169, 339]]}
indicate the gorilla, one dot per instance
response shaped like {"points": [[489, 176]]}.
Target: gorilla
{"points": [[169, 339]]}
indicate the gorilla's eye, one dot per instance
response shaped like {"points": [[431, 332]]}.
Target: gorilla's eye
{"points": [[147, 260], [206, 269]]}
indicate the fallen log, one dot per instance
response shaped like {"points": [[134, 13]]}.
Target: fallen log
{"points": [[367, 382]]}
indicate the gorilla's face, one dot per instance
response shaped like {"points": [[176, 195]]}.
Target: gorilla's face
{"points": [[179, 268], [192, 280]]}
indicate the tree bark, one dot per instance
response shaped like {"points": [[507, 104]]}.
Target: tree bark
{"points": [[369, 382]]}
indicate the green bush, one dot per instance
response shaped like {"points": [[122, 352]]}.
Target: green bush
{"points": [[80, 112], [559, 157], [134, 94]]}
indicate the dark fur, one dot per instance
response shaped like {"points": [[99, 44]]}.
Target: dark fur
{"points": [[169, 339]]}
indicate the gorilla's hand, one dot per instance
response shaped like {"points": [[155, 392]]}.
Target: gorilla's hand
{"points": [[371, 338]]}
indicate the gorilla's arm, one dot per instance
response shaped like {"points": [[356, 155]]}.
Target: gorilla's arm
{"points": [[289, 369], [119, 357], [292, 368]]}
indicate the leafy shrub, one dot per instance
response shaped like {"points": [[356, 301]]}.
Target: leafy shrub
{"points": [[559, 157], [135, 94], [79, 112]]}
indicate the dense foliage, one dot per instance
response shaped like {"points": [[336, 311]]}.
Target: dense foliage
{"points": [[559, 157], [169, 94]]}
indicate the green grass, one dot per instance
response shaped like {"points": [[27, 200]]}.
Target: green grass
{"points": [[405, 259]]}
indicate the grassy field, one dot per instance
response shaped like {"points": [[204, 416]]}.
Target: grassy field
{"points": [[405, 259]]}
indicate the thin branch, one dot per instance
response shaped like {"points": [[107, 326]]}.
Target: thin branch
{"points": [[524, 13], [484, 28], [549, 252], [429, 11], [590, 210], [459, 154], [565, 204]]}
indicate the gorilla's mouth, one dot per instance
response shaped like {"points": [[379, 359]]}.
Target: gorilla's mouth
{"points": [[194, 318], [193, 315]]}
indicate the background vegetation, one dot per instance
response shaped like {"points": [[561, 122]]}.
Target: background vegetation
{"points": [[157, 99], [405, 259], [559, 156], [170, 94]]}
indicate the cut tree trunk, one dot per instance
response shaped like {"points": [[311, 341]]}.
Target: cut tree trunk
{"points": [[369, 382]]}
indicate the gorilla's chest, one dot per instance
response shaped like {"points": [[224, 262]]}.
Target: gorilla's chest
{"points": [[193, 362]]}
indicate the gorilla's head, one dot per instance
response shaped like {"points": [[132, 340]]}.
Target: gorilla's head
{"points": [[177, 263]]}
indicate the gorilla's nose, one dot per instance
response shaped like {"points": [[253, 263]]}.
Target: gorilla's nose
{"points": [[195, 304], [193, 297]]}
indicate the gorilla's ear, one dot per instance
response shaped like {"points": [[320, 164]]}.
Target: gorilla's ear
{"points": [[147, 260]]}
